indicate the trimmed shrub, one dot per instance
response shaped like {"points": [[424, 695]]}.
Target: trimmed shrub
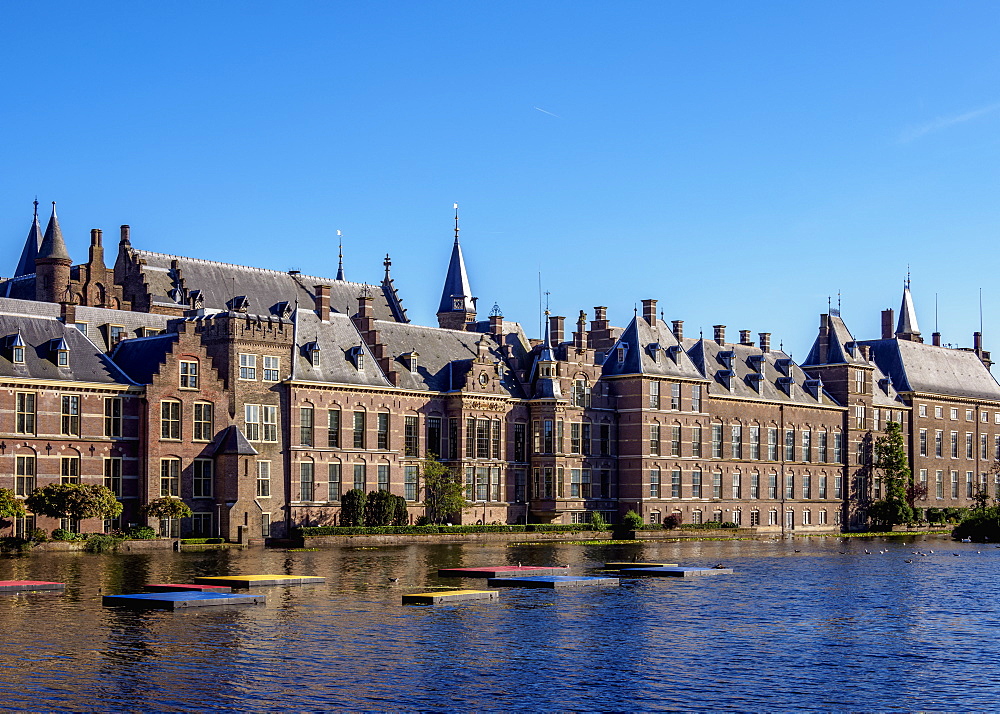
{"points": [[66, 536], [141, 533], [671, 522], [632, 521], [597, 521], [352, 508], [102, 543], [400, 514], [380, 507], [313, 531]]}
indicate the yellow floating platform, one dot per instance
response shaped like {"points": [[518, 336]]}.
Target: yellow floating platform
{"points": [[449, 596], [619, 566], [252, 581]]}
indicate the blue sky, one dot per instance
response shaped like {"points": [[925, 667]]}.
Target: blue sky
{"points": [[740, 162]]}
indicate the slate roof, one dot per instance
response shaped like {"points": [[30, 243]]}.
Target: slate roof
{"points": [[265, 289], [26, 265], [336, 340], [20, 287], [918, 367], [232, 441], [41, 335], [456, 283], [142, 357], [907, 324], [650, 349], [53, 245]]}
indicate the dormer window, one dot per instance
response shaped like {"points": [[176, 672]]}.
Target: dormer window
{"points": [[784, 366], [61, 350], [814, 387], [18, 355], [785, 384], [654, 351], [240, 303], [17, 349], [726, 358], [313, 353], [410, 360], [622, 349], [357, 356], [851, 348], [754, 379], [726, 377], [756, 362], [673, 351]]}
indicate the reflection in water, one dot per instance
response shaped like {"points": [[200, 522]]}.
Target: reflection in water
{"points": [[795, 627]]}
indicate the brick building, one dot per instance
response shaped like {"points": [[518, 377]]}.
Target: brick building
{"points": [[260, 397]]}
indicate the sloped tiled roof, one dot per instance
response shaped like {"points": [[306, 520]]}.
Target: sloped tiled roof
{"points": [[141, 357], [232, 441], [642, 342], [919, 367], [26, 264], [336, 339]]}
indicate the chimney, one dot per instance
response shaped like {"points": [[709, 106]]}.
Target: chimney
{"points": [[936, 339], [600, 321], [580, 336], [67, 313], [496, 326], [96, 248], [125, 240], [745, 338], [765, 341], [323, 301], [678, 329], [649, 311], [977, 342], [720, 334], [866, 352], [888, 324], [557, 329]]}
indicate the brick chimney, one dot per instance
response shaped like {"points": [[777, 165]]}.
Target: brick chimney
{"points": [[977, 342], [866, 352], [649, 311], [580, 336], [96, 257], [496, 326], [125, 235], [888, 324], [678, 329], [745, 338], [557, 329], [720, 334], [936, 339], [765, 341], [322, 300]]}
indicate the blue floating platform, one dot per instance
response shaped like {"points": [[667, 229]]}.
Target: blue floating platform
{"points": [[181, 600], [680, 572], [550, 582]]}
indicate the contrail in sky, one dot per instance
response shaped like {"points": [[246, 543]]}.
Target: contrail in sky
{"points": [[549, 113], [945, 122]]}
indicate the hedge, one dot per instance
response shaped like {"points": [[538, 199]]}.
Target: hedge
{"points": [[313, 531]]}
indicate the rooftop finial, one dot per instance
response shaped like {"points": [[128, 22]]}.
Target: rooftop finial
{"points": [[387, 262], [496, 311], [36, 206], [907, 275], [340, 256], [456, 224]]}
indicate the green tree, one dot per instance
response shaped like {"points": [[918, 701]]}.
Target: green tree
{"points": [[10, 506], [597, 521], [380, 507], [352, 508], [167, 507], [401, 514], [444, 494], [77, 501], [890, 459]]}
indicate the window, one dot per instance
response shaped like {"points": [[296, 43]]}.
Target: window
{"points": [[189, 374], [202, 422], [605, 439], [754, 518], [306, 426], [654, 482], [789, 444], [263, 479], [69, 471], [360, 481], [548, 436], [675, 396], [271, 367], [806, 445], [859, 417], [939, 484], [251, 421], [954, 484], [520, 442], [755, 443], [675, 483], [772, 443], [822, 446], [806, 517], [969, 416], [113, 475], [984, 450], [434, 436], [675, 440], [483, 438], [822, 486], [695, 483], [806, 486], [116, 333], [333, 482], [25, 419], [586, 438], [453, 433], [170, 420], [838, 486], [968, 484], [876, 414], [939, 443], [736, 442], [970, 446], [306, 492], [790, 486], [575, 446], [654, 395], [737, 485], [333, 428], [755, 485], [248, 366], [923, 410], [201, 472], [520, 485], [838, 447], [581, 393], [112, 416], [24, 479], [359, 430], [411, 436], [696, 397], [654, 439], [696, 441], [772, 485], [71, 415], [382, 431], [716, 441], [410, 483], [170, 477], [383, 477], [717, 484], [954, 413], [923, 442], [938, 412], [575, 482], [954, 444], [696, 516], [483, 483]]}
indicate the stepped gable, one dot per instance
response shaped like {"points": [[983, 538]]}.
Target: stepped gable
{"points": [[782, 380], [40, 336], [919, 367], [142, 357], [338, 341], [650, 349], [514, 337], [219, 282], [443, 356]]}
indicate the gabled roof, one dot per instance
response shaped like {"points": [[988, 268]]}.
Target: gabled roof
{"points": [[41, 336], [337, 340], [919, 367], [26, 265], [650, 349]]}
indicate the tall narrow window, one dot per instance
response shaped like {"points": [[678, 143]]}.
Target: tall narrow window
{"points": [[736, 442], [24, 479], [789, 486], [333, 482], [248, 366], [789, 444], [574, 438], [605, 439], [71, 415], [654, 395], [201, 471], [822, 445], [675, 396], [410, 487], [170, 477], [470, 438], [654, 439], [383, 477], [482, 439], [520, 442], [772, 443], [263, 479], [251, 421], [333, 428], [772, 485], [382, 432], [113, 475], [838, 447], [434, 435], [654, 483], [411, 436], [360, 481], [717, 484], [496, 442], [755, 443], [113, 416], [716, 441], [306, 426], [306, 484], [806, 445], [188, 375], [69, 469], [586, 438], [453, 436], [755, 485], [675, 483], [548, 437], [695, 483], [696, 397], [696, 441], [25, 419], [170, 420], [675, 440], [202, 422], [737, 485], [359, 430]]}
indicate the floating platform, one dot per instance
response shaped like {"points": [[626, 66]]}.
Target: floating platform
{"points": [[187, 587], [253, 581], [22, 586], [550, 581], [449, 596], [675, 572], [498, 571], [624, 565], [181, 600]]}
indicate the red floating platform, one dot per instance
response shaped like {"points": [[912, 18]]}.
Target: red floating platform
{"points": [[20, 586], [186, 587], [502, 570]]}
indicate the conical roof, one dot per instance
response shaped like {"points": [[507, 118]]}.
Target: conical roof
{"points": [[53, 245], [456, 284], [26, 265], [907, 324]]}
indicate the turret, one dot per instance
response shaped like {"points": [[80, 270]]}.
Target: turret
{"points": [[457, 307], [26, 265], [52, 265]]}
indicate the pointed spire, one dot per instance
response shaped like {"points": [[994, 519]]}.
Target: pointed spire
{"points": [[53, 246], [907, 327], [387, 263], [340, 264], [457, 294], [456, 224], [26, 265]]}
